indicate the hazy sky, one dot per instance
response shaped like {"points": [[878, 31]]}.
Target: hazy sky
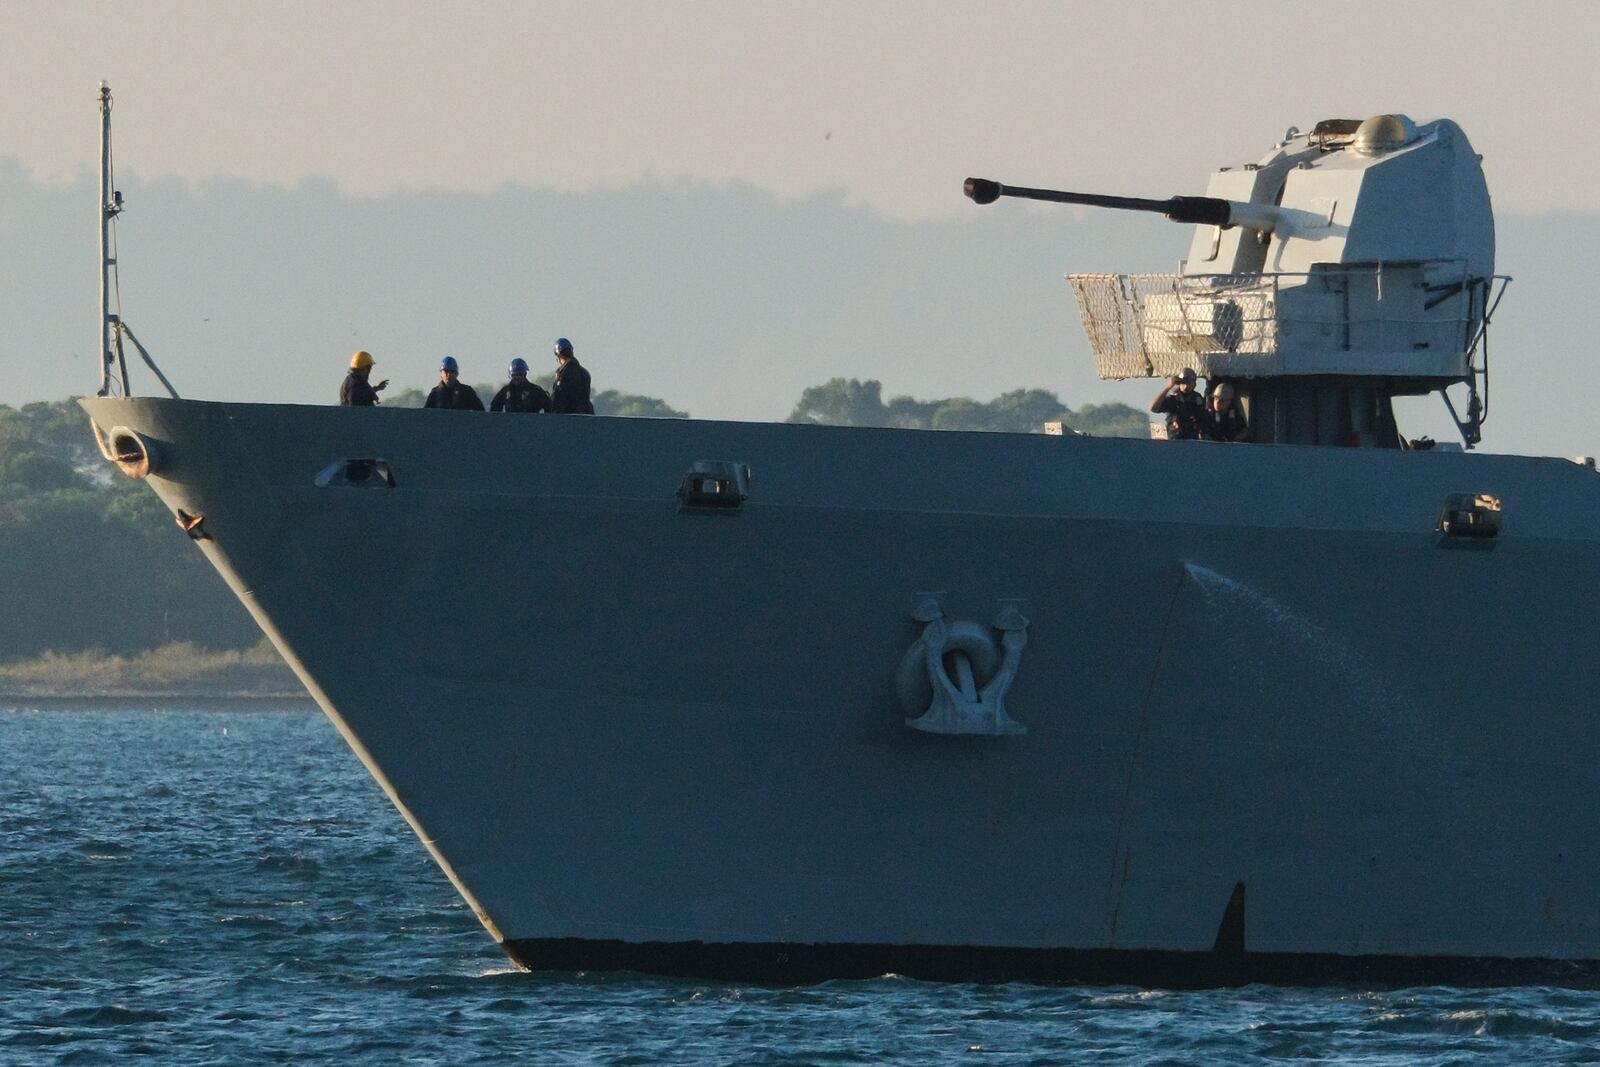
{"points": [[893, 102], [887, 105]]}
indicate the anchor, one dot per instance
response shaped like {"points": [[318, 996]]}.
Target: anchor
{"points": [[954, 677]]}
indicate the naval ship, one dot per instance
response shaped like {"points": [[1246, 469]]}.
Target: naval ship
{"points": [[840, 702]]}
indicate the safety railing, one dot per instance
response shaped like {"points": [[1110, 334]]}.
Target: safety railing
{"points": [[1414, 319]]}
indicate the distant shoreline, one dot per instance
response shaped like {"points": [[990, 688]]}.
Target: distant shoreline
{"points": [[177, 673], [13, 702]]}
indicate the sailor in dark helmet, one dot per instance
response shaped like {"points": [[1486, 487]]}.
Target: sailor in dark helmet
{"points": [[569, 395], [519, 394], [1183, 406], [1224, 419], [453, 394]]}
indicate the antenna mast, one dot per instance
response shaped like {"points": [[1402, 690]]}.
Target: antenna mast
{"points": [[110, 206], [112, 328]]}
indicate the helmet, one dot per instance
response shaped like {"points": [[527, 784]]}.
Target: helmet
{"points": [[361, 361], [519, 366], [449, 363], [563, 347]]}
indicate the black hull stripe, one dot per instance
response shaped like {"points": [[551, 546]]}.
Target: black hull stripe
{"points": [[782, 963]]}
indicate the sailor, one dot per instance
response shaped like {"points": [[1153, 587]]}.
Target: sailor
{"points": [[519, 394], [569, 395], [356, 392], [1183, 406], [1224, 419], [451, 393]]}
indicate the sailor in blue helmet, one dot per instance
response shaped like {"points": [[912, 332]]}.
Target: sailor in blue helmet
{"points": [[453, 394], [519, 394], [570, 393]]}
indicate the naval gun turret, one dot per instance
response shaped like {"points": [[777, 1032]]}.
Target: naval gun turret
{"points": [[1348, 266]]}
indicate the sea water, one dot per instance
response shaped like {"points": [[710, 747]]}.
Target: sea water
{"points": [[226, 885]]}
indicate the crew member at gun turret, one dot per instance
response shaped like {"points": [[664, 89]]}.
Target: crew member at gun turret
{"points": [[1224, 419], [357, 392], [569, 395], [1183, 406], [519, 394], [453, 394]]}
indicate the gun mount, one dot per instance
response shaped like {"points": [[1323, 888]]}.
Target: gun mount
{"points": [[1348, 266]]}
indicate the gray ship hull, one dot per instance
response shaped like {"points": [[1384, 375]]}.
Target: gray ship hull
{"points": [[1276, 726]]}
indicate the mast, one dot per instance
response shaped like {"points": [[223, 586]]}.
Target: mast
{"points": [[112, 328], [110, 206]]}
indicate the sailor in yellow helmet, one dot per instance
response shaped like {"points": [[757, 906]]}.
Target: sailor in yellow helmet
{"points": [[356, 392]]}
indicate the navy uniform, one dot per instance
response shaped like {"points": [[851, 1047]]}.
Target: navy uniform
{"points": [[569, 395], [357, 391], [1183, 406], [1229, 425], [519, 394], [452, 394]]}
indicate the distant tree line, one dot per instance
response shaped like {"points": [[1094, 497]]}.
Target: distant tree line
{"points": [[850, 402], [91, 560]]}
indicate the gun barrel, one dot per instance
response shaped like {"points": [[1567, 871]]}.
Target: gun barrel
{"points": [[1205, 210]]}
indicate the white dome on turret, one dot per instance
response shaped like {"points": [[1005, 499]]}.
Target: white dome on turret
{"points": [[1384, 133]]}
